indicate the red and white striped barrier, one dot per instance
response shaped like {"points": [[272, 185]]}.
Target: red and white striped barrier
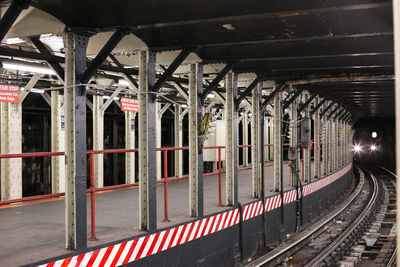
{"points": [[142, 247], [149, 245]]}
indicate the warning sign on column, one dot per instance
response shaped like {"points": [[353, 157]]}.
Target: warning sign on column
{"points": [[129, 104], [9, 93]]}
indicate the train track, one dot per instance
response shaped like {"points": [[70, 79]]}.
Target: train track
{"points": [[347, 248]]}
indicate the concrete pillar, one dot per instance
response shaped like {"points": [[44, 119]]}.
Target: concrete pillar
{"points": [[57, 143], [98, 140], [195, 141], [293, 136], [317, 141], [245, 131], [307, 151], [231, 150], [277, 143], [75, 142], [147, 142], [130, 144], [178, 140], [256, 143], [11, 143]]}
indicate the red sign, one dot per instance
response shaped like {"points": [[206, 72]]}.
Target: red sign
{"points": [[129, 104], [9, 93]]}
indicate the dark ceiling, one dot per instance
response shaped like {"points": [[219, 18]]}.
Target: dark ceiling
{"points": [[283, 39]]}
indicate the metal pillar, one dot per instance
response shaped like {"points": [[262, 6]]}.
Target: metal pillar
{"points": [[331, 157], [98, 140], [307, 151], [158, 138], [147, 142], [317, 141], [178, 141], [255, 142], [231, 150], [11, 136], [75, 142], [195, 141], [130, 144], [270, 139], [57, 143], [325, 143], [293, 136], [277, 143], [245, 136]]}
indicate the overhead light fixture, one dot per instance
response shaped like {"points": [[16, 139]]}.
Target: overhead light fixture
{"points": [[373, 147], [38, 91], [211, 96], [12, 41], [374, 135], [27, 68], [123, 82], [229, 26], [184, 106], [107, 97]]}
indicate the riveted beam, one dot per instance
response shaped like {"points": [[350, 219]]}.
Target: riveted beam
{"points": [[293, 98], [196, 208], [147, 142], [102, 55], [172, 68], [75, 140], [317, 107], [308, 101], [333, 112], [11, 15], [127, 77], [327, 108], [248, 90], [272, 95], [214, 84], [54, 65]]}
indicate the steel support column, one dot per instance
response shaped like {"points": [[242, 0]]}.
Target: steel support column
{"points": [[178, 141], [98, 140], [231, 150], [307, 151], [331, 158], [195, 141], [245, 138], [317, 141], [130, 122], [325, 142], [57, 143], [277, 142], [11, 136], [293, 135], [75, 140], [256, 142], [147, 142], [158, 139]]}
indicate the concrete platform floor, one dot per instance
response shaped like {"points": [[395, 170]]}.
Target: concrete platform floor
{"points": [[34, 231]]}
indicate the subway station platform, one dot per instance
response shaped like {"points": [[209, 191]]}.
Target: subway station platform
{"points": [[35, 231]]}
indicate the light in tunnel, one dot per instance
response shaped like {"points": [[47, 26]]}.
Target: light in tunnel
{"points": [[357, 148]]}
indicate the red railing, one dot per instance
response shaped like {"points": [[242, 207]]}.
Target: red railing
{"points": [[92, 188]]}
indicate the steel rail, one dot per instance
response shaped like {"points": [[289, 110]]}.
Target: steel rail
{"points": [[392, 260], [317, 229], [319, 259]]}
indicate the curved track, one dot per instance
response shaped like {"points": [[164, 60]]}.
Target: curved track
{"points": [[338, 248], [345, 238]]}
